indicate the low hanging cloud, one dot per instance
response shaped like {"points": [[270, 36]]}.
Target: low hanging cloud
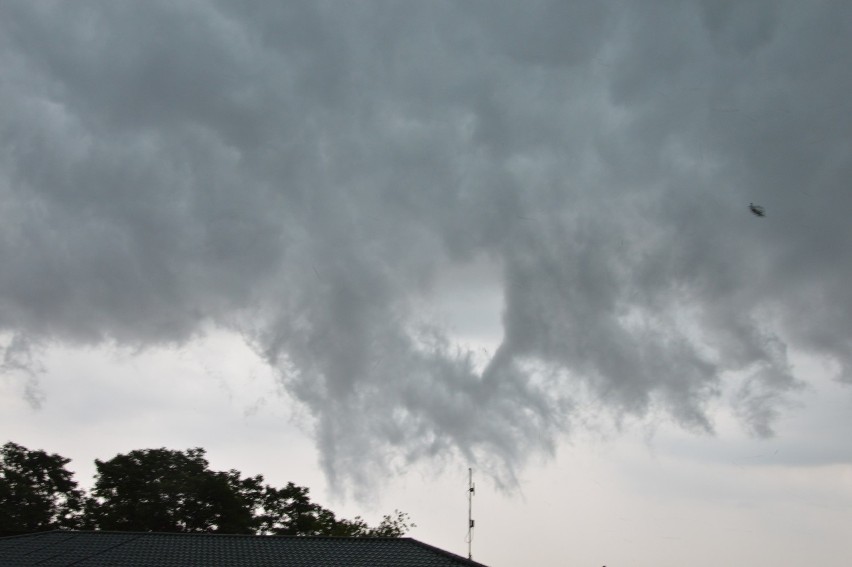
{"points": [[303, 172]]}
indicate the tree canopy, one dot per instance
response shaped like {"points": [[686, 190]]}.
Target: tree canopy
{"points": [[165, 490], [37, 492]]}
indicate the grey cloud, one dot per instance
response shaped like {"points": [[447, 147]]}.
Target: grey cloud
{"points": [[302, 172]]}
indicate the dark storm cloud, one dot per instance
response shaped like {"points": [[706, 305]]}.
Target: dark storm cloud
{"points": [[300, 172]]}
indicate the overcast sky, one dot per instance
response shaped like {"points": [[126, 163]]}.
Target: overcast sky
{"points": [[365, 245]]}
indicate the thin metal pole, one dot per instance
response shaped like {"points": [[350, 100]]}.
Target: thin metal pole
{"points": [[471, 489]]}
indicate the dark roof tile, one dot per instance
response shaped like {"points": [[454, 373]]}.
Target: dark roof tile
{"points": [[147, 549]]}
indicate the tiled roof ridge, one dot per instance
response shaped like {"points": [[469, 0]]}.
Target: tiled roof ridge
{"points": [[93, 542], [38, 533], [208, 534]]}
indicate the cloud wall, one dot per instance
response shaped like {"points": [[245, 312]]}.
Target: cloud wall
{"points": [[302, 173]]}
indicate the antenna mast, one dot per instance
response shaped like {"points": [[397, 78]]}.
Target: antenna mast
{"points": [[471, 490]]}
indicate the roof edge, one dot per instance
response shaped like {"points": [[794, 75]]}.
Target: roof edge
{"points": [[204, 534], [38, 533], [446, 553]]}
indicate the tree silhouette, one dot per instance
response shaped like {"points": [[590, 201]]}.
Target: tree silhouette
{"points": [[164, 490], [175, 491], [37, 492]]}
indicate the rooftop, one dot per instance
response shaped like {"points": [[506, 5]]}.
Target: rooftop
{"points": [[149, 549]]}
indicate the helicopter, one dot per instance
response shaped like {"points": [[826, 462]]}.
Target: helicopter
{"points": [[756, 210]]}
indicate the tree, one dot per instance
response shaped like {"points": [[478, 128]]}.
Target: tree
{"points": [[37, 492], [169, 491], [395, 525], [175, 491], [164, 490], [289, 511]]}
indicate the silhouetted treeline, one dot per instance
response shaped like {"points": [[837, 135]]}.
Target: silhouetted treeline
{"points": [[163, 490]]}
